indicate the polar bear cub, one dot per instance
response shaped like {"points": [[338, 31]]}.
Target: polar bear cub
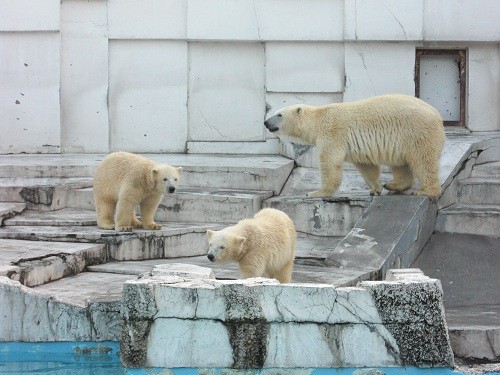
{"points": [[263, 246], [123, 180], [400, 131]]}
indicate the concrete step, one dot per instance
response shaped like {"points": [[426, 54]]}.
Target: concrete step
{"points": [[487, 170], [10, 209], [173, 240], [321, 217], [41, 193], [35, 262], [250, 172], [470, 218], [200, 205], [479, 190], [60, 218]]}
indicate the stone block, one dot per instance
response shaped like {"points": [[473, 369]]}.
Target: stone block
{"points": [[479, 191], [378, 68], [148, 19], [226, 87], [30, 89], [469, 218], [390, 20], [28, 315], [268, 147], [258, 323], [10, 209], [446, 21], [148, 79], [29, 15], [305, 67]]}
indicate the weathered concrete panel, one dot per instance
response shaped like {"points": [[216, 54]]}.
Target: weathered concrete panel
{"points": [[226, 92], [148, 80], [305, 67], [147, 19], [29, 15], [379, 68], [472, 20], [388, 20], [254, 20], [84, 76], [30, 109], [483, 87]]}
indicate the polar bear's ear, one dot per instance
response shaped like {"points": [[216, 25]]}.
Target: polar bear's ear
{"points": [[210, 233], [154, 171], [179, 169], [298, 110], [240, 240]]}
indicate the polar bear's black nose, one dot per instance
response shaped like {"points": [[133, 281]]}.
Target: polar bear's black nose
{"points": [[210, 257], [171, 189]]}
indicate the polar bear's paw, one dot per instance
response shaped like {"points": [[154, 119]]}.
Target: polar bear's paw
{"points": [[152, 226], [321, 193]]}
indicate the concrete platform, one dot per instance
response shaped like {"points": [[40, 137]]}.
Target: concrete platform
{"points": [[34, 262], [470, 219], [9, 209]]}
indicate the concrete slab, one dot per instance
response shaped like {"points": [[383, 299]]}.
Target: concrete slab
{"points": [[468, 268], [390, 234], [9, 209], [470, 218], [35, 262], [229, 271], [254, 172]]}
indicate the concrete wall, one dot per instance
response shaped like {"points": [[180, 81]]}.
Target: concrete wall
{"points": [[178, 75]]}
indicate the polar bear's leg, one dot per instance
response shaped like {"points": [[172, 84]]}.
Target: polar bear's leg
{"points": [[331, 167], [251, 270], [124, 212], [427, 173], [285, 274], [149, 206], [136, 223], [105, 211], [371, 174], [403, 179]]}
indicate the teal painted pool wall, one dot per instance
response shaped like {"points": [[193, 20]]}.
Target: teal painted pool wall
{"points": [[96, 358]]}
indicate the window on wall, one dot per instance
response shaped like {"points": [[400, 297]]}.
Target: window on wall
{"points": [[440, 81]]}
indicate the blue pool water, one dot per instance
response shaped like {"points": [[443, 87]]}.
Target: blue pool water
{"points": [[86, 358]]}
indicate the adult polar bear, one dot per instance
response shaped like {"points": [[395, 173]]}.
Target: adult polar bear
{"points": [[397, 130]]}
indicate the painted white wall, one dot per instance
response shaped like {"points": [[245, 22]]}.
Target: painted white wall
{"points": [[147, 95], [226, 92], [384, 20], [378, 68], [29, 92], [84, 76], [152, 76], [483, 100]]}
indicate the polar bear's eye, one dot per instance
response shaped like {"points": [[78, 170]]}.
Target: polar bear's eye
{"points": [[280, 115], [164, 179], [175, 179]]}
